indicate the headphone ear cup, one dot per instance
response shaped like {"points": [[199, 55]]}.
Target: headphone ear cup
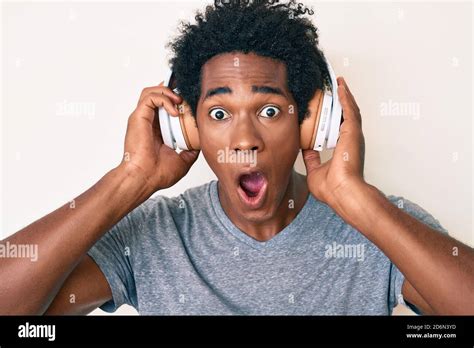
{"points": [[180, 131], [165, 128], [309, 126], [189, 127]]}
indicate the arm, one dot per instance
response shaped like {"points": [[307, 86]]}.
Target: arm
{"points": [[438, 280], [439, 270], [84, 290], [64, 236]]}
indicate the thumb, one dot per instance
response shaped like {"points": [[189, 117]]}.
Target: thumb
{"points": [[189, 157], [312, 160]]}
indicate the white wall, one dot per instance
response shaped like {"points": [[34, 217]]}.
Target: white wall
{"points": [[98, 57]]}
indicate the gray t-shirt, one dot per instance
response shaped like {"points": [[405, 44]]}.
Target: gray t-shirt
{"points": [[183, 255]]}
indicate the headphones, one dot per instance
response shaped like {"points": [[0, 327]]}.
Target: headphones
{"points": [[318, 130]]}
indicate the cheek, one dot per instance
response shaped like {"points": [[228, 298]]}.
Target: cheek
{"points": [[284, 138], [210, 144], [284, 147]]}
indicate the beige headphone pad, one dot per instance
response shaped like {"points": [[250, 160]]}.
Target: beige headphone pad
{"points": [[189, 127], [309, 126]]}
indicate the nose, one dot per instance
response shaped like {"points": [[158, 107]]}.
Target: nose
{"points": [[245, 136]]}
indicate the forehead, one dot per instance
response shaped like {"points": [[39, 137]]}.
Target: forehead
{"points": [[243, 68]]}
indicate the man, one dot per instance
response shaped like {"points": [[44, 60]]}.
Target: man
{"points": [[260, 240]]}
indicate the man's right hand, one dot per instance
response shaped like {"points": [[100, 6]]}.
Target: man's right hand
{"points": [[64, 236], [145, 153]]}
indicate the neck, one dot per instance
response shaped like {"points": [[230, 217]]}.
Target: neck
{"points": [[292, 202]]}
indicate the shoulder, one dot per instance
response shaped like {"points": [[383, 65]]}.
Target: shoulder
{"points": [[160, 208]]}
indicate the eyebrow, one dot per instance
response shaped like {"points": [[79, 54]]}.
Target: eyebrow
{"points": [[267, 90], [216, 91], [255, 89]]}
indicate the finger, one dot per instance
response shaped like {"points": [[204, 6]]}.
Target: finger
{"points": [[351, 147], [176, 98], [312, 160], [346, 104], [351, 138], [154, 101], [136, 128], [157, 129], [189, 157], [351, 96], [342, 82], [350, 100]]}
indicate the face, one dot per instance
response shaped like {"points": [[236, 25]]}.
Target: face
{"points": [[249, 132]]}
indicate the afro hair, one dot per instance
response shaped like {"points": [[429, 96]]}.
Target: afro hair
{"points": [[267, 28]]}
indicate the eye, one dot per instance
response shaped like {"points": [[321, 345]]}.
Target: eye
{"points": [[219, 114], [269, 111]]}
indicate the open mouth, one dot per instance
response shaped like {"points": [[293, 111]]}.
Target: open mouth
{"points": [[252, 188]]}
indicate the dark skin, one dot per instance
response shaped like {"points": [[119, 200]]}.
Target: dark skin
{"points": [[435, 281], [246, 129]]}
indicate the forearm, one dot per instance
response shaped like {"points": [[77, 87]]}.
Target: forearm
{"points": [[61, 238], [440, 268]]}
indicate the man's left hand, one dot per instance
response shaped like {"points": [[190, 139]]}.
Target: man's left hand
{"points": [[331, 181]]}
